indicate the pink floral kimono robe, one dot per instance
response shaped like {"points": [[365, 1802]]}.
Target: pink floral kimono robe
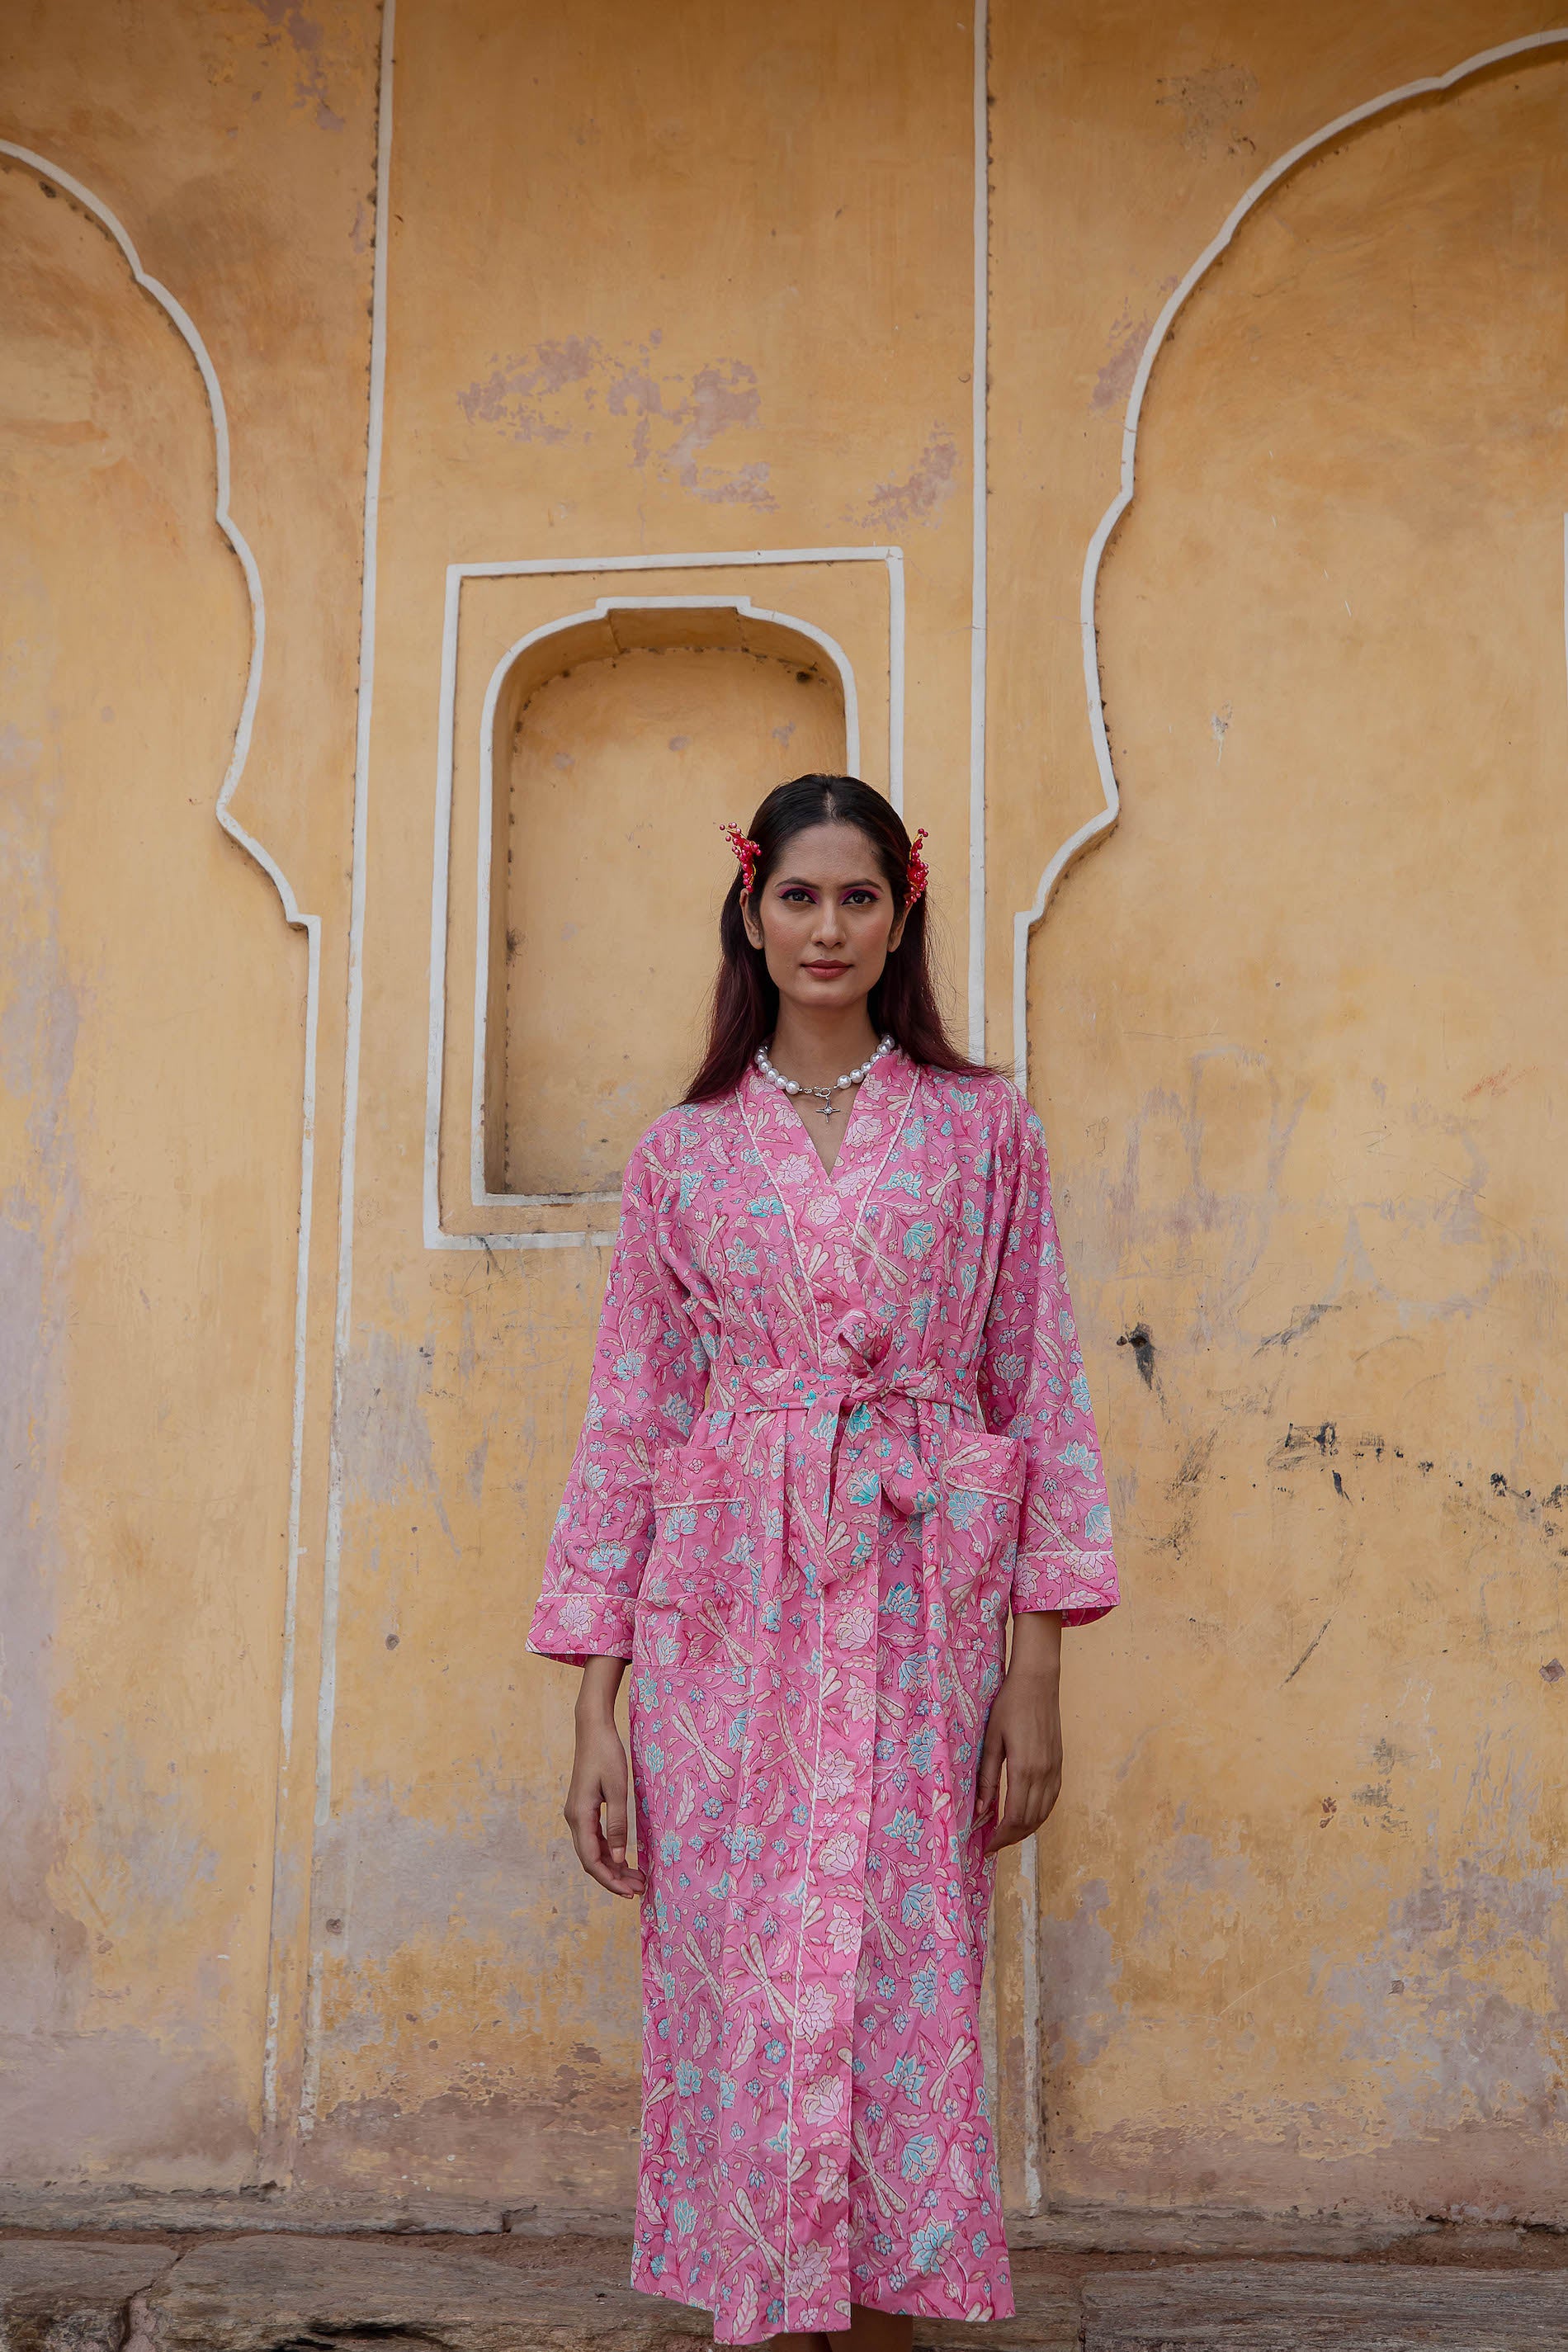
{"points": [[836, 1425]]}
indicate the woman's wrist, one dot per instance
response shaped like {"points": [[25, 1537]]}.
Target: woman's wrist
{"points": [[596, 1691], [1035, 1654]]}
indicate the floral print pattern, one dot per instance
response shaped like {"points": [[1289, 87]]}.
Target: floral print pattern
{"points": [[837, 1428]]}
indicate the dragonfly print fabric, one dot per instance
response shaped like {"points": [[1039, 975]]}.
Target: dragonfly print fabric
{"points": [[837, 1425]]}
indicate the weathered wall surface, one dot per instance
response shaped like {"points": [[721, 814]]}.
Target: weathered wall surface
{"points": [[658, 286], [1288, 1030], [1307, 1938], [152, 1087]]}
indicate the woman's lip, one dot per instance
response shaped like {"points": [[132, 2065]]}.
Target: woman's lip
{"points": [[826, 967]]}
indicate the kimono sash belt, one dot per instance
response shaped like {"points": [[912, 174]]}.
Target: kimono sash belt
{"points": [[860, 1444]]}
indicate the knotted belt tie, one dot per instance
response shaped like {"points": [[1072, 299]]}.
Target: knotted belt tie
{"points": [[858, 1445]]}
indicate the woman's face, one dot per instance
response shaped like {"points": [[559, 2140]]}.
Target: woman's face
{"points": [[825, 919]]}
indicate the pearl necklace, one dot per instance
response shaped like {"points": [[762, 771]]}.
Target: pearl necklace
{"points": [[825, 1094]]}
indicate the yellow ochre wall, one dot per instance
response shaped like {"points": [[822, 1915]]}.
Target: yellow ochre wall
{"points": [[571, 300]]}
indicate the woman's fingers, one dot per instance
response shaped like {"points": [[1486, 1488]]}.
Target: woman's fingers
{"points": [[1031, 1797], [603, 1858], [989, 1783], [596, 1815]]}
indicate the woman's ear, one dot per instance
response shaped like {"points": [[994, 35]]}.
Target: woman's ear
{"points": [[754, 928], [897, 933]]}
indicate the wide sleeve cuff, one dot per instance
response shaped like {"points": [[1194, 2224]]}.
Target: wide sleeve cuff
{"points": [[577, 1626], [1080, 1584]]}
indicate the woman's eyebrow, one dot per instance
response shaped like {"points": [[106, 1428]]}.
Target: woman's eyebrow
{"points": [[801, 882]]}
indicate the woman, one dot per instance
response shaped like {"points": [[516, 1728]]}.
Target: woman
{"points": [[837, 1423]]}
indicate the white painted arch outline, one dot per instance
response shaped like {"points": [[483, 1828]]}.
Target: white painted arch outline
{"points": [[1104, 819], [298, 919], [436, 1235], [605, 608]]}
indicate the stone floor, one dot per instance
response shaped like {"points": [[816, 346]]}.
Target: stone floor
{"points": [[184, 2275]]}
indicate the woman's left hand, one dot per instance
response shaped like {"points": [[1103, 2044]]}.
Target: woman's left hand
{"points": [[1023, 1734]]}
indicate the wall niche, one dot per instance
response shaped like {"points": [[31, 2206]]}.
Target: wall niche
{"points": [[619, 744]]}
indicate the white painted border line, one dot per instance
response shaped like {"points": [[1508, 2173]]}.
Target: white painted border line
{"points": [[744, 610], [343, 1322], [299, 920], [1106, 816], [1032, 2089], [437, 1237], [978, 404]]}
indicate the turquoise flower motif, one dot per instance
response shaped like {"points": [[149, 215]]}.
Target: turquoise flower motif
{"points": [[920, 2161], [1097, 1526], [928, 2245], [919, 1239], [907, 2075]]}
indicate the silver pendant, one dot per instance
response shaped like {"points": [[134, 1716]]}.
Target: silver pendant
{"points": [[827, 1110]]}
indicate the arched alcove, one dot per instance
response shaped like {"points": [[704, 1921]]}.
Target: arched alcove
{"points": [[621, 741], [1307, 1008]]}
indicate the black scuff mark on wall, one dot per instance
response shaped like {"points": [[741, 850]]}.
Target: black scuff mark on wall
{"points": [[1141, 1340]]}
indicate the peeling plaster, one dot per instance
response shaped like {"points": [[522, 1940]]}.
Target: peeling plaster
{"points": [[919, 496], [572, 389], [1459, 2011], [301, 37], [1208, 103], [1078, 1967]]}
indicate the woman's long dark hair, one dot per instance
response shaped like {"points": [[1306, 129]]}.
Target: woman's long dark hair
{"points": [[745, 1001]]}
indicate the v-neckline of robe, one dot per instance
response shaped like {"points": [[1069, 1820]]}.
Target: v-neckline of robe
{"points": [[872, 1125]]}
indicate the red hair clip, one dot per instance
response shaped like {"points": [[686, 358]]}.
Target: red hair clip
{"points": [[746, 850], [919, 872]]}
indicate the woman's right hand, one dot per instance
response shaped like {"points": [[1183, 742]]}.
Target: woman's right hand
{"points": [[596, 1804]]}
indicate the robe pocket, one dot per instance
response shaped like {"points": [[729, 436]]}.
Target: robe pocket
{"points": [[982, 1482], [703, 1531]]}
